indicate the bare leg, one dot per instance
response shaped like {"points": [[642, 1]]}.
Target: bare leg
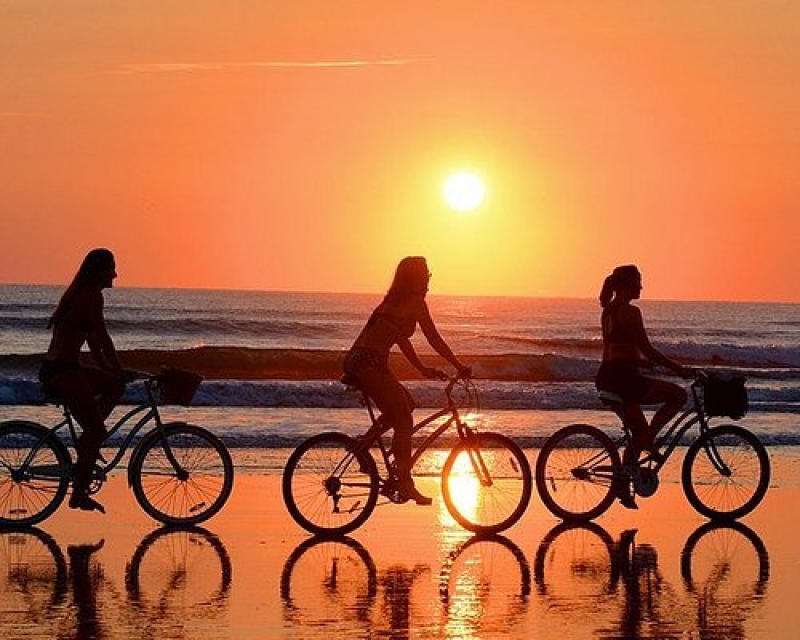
{"points": [[77, 390], [395, 405]]}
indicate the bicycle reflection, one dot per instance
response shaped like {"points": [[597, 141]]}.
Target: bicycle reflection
{"points": [[332, 586], [179, 573], [725, 568], [617, 588], [485, 586], [174, 577], [329, 581]]}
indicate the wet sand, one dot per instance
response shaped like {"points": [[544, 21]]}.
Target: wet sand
{"points": [[410, 572]]}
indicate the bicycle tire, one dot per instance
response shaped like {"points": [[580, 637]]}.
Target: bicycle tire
{"points": [[30, 496], [196, 494], [574, 472], [730, 494], [329, 486], [486, 505]]}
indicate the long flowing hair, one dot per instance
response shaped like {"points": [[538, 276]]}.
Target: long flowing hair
{"points": [[410, 278], [94, 264]]}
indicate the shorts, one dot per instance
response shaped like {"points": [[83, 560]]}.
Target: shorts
{"points": [[622, 378], [360, 359], [51, 369]]}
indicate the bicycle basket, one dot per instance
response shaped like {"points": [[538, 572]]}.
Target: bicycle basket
{"points": [[725, 397], [178, 386]]}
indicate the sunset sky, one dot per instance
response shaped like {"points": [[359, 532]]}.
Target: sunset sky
{"points": [[303, 145]]}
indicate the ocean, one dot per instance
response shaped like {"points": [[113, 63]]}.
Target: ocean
{"points": [[271, 360]]}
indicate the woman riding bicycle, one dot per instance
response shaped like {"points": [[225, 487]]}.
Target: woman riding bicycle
{"points": [[625, 344], [89, 393], [393, 322]]}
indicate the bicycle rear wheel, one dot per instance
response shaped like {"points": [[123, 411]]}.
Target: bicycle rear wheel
{"points": [[329, 486], [575, 472], [726, 472], [35, 470], [486, 483], [181, 475]]}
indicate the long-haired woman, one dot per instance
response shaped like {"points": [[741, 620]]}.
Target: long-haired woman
{"points": [[393, 322], [90, 392]]}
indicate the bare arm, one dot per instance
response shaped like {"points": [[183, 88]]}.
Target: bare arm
{"points": [[100, 343], [636, 323], [435, 339]]}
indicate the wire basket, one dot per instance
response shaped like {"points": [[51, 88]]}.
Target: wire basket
{"points": [[178, 386]]}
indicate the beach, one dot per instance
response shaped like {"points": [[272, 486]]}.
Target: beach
{"points": [[271, 363], [409, 572]]}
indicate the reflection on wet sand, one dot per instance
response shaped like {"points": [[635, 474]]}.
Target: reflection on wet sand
{"points": [[582, 572], [332, 587], [582, 578], [582, 581], [484, 586], [176, 579]]}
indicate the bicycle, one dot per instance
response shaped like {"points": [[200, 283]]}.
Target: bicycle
{"points": [[331, 482], [725, 472], [179, 473]]}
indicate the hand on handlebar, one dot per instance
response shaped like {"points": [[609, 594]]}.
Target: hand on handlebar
{"points": [[434, 373]]}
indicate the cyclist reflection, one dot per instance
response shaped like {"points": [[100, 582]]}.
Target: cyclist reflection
{"points": [[85, 576]]}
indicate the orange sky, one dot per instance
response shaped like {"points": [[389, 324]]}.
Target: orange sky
{"points": [[302, 145]]}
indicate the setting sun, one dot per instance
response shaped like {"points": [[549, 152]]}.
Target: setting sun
{"points": [[464, 191]]}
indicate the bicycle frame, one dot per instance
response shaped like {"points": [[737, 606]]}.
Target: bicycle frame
{"points": [[671, 438], [150, 412], [373, 436]]}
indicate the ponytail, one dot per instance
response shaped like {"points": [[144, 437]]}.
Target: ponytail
{"points": [[608, 290], [619, 278]]}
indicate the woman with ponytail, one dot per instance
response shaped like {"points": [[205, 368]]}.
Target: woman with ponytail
{"points": [[626, 347]]}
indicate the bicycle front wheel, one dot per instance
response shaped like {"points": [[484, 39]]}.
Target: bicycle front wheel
{"points": [[575, 472], [35, 470], [486, 483], [182, 474], [329, 485], [726, 472]]}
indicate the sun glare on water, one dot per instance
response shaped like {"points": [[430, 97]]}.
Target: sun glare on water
{"points": [[464, 191]]}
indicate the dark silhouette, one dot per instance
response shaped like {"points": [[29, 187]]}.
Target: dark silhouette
{"points": [[90, 393], [625, 344], [393, 322], [84, 590]]}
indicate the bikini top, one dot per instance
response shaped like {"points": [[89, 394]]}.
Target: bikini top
{"points": [[615, 333], [403, 327]]}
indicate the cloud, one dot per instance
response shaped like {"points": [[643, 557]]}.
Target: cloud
{"points": [[189, 67]]}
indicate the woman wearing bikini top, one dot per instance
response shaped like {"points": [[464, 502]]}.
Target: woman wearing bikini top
{"points": [[90, 393], [393, 322], [625, 347]]}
